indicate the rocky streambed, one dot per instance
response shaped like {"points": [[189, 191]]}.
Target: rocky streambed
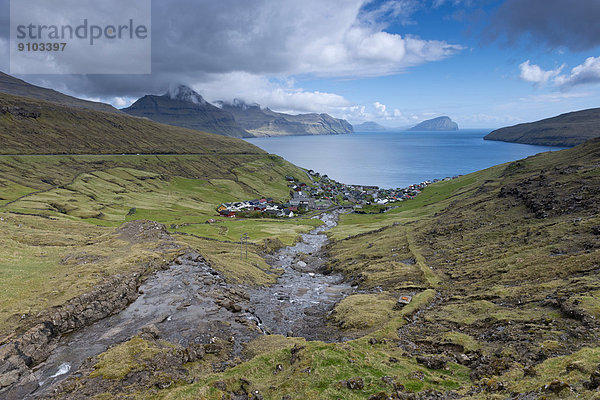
{"points": [[298, 304], [190, 304]]}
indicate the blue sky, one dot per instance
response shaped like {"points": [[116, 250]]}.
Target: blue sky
{"points": [[486, 63]]}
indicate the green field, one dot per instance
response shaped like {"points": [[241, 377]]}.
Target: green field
{"points": [[54, 207]]}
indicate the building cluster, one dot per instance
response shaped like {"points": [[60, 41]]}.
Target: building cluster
{"points": [[320, 194], [266, 207]]}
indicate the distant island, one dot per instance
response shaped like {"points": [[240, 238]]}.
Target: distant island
{"points": [[370, 126], [565, 130], [182, 106], [436, 124]]}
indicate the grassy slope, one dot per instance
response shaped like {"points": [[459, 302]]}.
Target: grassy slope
{"points": [[492, 281], [566, 130], [95, 196], [67, 207], [17, 87], [65, 130], [517, 272]]}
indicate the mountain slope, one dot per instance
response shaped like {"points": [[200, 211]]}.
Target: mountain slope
{"points": [[185, 108], [370, 126], [436, 124], [564, 130], [17, 87], [264, 122], [510, 257], [29, 126]]}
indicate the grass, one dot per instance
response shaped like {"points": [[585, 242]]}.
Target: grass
{"points": [[571, 369], [64, 130], [225, 258], [88, 197], [364, 311], [432, 199], [126, 358], [258, 229], [320, 370], [44, 263]]}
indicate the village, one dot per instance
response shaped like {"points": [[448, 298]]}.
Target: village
{"points": [[322, 193]]}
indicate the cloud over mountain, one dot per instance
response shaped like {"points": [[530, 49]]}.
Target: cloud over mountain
{"points": [[199, 43]]}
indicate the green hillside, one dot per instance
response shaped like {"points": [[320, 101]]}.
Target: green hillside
{"points": [[17, 87], [502, 266], [29, 126], [55, 206], [565, 130]]}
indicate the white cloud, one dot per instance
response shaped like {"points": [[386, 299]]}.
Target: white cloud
{"points": [[280, 95], [533, 73], [381, 108], [554, 97], [396, 10], [588, 72]]}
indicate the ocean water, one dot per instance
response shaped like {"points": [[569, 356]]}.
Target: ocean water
{"points": [[396, 159]]}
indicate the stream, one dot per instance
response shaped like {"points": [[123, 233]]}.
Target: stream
{"points": [[191, 303]]}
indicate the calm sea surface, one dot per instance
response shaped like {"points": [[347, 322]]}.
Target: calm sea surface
{"points": [[396, 159]]}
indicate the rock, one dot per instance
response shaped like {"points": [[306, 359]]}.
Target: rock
{"points": [[286, 397], [372, 341], [20, 113], [212, 348], [463, 359], [195, 352], [278, 369], [388, 380], [379, 396], [302, 264], [417, 375], [151, 331], [222, 386], [27, 383], [9, 378], [432, 362], [576, 366], [257, 396], [556, 386], [355, 383], [594, 381], [295, 353], [529, 371]]}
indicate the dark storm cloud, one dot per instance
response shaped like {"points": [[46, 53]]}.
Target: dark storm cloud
{"points": [[553, 23], [201, 42]]}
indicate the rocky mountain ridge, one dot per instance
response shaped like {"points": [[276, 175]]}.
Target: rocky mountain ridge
{"points": [[181, 106], [265, 122]]}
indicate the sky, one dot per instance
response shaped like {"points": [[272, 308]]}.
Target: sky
{"points": [[486, 63]]}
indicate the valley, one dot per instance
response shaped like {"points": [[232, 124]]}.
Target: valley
{"points": [[119, 275]]}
